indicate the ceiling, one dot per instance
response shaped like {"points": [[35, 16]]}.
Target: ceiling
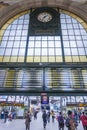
{"points": [[11, 2]]}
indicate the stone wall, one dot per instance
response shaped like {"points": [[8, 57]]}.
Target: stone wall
{"points": [[9, 10]]}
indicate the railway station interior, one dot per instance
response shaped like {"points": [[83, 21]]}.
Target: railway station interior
{"points": [[43, 56]]}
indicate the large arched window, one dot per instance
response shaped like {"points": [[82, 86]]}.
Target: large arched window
{"points": [[17, 46]]}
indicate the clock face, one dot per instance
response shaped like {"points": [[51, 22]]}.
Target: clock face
{"points": [[44, 17]]}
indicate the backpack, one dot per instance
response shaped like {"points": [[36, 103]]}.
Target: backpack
{"points": [[70, 122], [61, 120]]}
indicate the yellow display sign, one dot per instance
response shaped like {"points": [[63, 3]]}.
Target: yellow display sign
{"points": [[82, 105], [11, 104]]}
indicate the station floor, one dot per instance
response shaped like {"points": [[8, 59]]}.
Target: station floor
{"points": [[19, 124]]}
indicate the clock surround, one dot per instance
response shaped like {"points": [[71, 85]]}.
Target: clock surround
{"points": [[44, 21]]}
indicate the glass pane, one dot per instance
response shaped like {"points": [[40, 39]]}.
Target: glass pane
{"points": [[51, 51], [38, 44], [31, 43], [44, 51], [79, 43], [63, 21], [85, 43], [10, 44], [31, 38], [77, 32], [18, 38], [8, 52], [31, 51], [20, 21], [23, 44], [13, 33], [64, 32], [78, 38], [14, 52], [74, 51], [58, 51], [70, 32], [22, 52], [44, 43], [70, 26], [19, 27], [65, 38], [2, 50], [57, 38], [24, 32], [23, 38], [73, 43], [4, 38], [50, 38], [44, 38], [67, 51], [51, 44], [12, 38], [57, 43], [3, 44], [38, 37], [16, 44], [72, 38], [37, 51], [81, 51], [64, 26], [66, 43]]}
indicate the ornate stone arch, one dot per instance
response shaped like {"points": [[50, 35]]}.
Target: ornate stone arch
{"points": [[12, 10]]}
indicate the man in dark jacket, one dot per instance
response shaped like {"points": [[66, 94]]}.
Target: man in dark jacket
{"points": [[44, 117], [5, 116]]}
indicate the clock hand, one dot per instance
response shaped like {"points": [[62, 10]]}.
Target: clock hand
{"points": [[44, 17]]}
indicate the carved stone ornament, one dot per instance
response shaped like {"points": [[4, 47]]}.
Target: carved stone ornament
{"points": [[2, 5]]}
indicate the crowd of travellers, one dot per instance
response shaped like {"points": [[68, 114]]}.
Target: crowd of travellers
{"points": [[69, 120]]}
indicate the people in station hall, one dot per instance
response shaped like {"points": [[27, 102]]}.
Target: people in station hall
{"points": [[53, 115], [83, 118]]}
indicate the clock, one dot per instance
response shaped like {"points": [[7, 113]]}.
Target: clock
{"points": [[44, 21], [44, 17]]}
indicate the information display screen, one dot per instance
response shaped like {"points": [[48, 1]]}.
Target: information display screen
{"points": [[44, 99]]}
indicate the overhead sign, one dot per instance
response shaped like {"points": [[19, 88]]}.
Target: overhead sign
{"points": [[82, 104], [72, 104], [44, 98], [4, 103]]}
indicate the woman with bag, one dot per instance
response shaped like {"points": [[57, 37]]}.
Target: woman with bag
{"points": [[83, 118]]}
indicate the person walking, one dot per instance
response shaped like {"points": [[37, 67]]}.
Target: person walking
{"points": [[28, 120], [2, 115], [48, 116], [35, 114], [53, 115], [5, 116], [60, 119], [44, 117], [83, 118], [70, 122]]}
